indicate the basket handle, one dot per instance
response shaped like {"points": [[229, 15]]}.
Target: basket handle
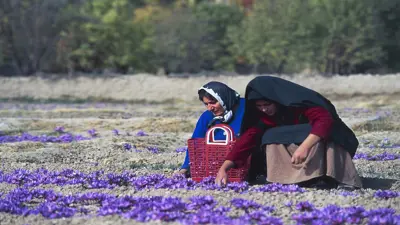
{"points": [[210, 140]]}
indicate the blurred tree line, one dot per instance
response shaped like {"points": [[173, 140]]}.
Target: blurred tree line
{"points": [[190, 36]]}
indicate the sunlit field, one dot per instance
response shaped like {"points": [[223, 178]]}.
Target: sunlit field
{"points": [[103, 151]]}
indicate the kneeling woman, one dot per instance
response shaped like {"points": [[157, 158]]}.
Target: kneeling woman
{"points": [[224, 105], [303, 138]]}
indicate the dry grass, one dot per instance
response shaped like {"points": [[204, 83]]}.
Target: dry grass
{"points": [[151, 88], [377, 125], [169, 127], [163, 125]]}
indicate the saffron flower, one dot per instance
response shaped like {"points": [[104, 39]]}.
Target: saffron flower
{"points": [[93, 132], [153, 149], [59, 129], [181, 149], [141, 133], [379, 157], [115, 132], [127, 146]]}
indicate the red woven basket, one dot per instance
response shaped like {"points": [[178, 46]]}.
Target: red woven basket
{"points": [[207, 155]]}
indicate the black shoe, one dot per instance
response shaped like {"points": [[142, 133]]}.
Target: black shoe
{"points": [[321, 185], [345, 187], [259, 179]]}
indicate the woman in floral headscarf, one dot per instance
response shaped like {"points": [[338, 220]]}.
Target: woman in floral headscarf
{"points": [[224, 105]]}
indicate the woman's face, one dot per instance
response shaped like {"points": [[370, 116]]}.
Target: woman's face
{"points": [[266, 107], [213, 106]]}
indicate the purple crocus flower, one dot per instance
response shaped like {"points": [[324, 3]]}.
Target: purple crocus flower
{"points": [[348, 193], [288, 204], [200, 209], [115, 132], [63, 138], [153, 149], [245, 204], [93, 132], [202, 202], [59, 129], [379, 157], [181, 149], [386, 194], [305, 206], [127, 146], [276, 187], [141, 133]]}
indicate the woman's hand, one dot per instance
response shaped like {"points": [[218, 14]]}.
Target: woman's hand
{"points": [[222, 176], [300, 155]]}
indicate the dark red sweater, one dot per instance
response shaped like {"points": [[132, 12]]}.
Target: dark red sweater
{"points": [[320, 119]]}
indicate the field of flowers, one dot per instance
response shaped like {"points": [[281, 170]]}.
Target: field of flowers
{"points": [[113, 163]]}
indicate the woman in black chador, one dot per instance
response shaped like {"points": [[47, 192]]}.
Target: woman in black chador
{"points": [[300, 134]]}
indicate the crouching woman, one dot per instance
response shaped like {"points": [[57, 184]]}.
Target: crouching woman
{"points": [[224, 106], [299, 133]]}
